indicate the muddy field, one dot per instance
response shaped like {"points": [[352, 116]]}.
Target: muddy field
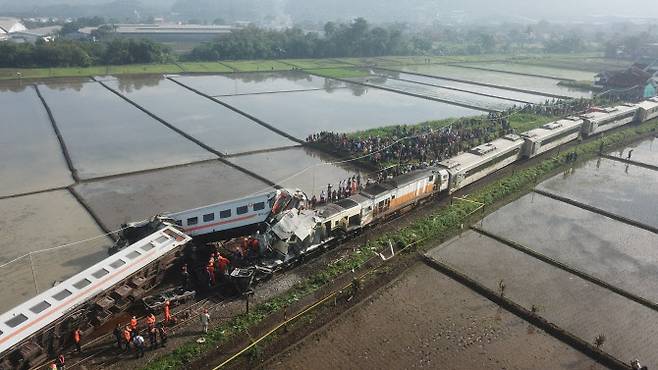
{"points": [[571, 303], [42, 221], [426, 320]]}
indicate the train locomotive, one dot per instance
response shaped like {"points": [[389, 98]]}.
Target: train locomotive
{"points": [[286, 231]]}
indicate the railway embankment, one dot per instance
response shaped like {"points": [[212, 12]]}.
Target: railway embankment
{"points": [[231, 336]]}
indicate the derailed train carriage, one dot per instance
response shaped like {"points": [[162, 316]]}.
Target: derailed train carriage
{"points": [[42, 326]]}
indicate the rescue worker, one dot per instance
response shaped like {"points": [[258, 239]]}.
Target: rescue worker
{"points": [[167, 312], [223, 264], [53, 366], [254, 248], [61, 363], [77, 337], [211, 273], [162, 331], [133, 324], [117, 334], [150, 321], [127, 337], [185, 277], [138, 342], [205, 320], [153, 336]]}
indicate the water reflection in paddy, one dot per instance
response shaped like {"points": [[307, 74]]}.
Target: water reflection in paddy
{"points": [[30, 155], [106, 135], [343, 110], [210, 122], [250, 83]]}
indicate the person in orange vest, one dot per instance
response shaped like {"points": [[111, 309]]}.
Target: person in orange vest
{"points": [[150, 321], [223, 264], [77, 337], [167, 312], [254, 248], [53, 366], [133, 324], [211, 272], [127, 336]]}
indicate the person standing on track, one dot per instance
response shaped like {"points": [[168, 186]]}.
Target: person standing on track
{"points": [[77, 337], [162, 331], [138, 342], [117, 334], [205, 320], [133, 325], [167, 312], [61, 363], [127, 336]]}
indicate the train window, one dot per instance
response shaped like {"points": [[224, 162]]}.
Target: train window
{"points": [[431, 178], [259, 206], [61, 295], [161, 239], [225, 214], [179, 222], [241, 210], [16, 320], [132, 255], [82, 283], [148, 247], [192, 221], [39, 307], [118, 263], [209, 217], [100, 273]]}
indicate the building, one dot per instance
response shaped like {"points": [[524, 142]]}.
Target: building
{"points": [[31, 36], [10, 25]]}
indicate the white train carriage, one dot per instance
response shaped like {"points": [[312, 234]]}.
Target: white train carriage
{"points": [[27, 330], [468, 167], [341, 216], [647, 110], [233, 214], [551, 135], [604, 119]]}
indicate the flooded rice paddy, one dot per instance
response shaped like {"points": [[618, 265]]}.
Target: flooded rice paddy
{"points": [[582, 308], [617, 253], [644, 152], [550, 72], [208, 121], [30, 155], [141, 196], [452, 96], [298, 168], [43, 221], [625, 190], [426, 320], [257, 83], [531, 83], [303, 113], [106, 135], [493, 91]]}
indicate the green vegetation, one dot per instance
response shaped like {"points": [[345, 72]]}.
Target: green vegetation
{"points": [[438, 226], [339, 72], [257, 65], [317, 63], [580, 85], [206, 67]]}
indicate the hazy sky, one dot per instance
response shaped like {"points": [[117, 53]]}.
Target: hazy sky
{"points": [[529, 9]]}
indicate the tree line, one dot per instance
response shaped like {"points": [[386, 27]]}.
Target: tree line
{"points": [[357, 39], [64, 53]]}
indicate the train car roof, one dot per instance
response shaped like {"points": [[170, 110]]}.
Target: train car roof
{"points": [[331, 209], [648, 104], [553, 128], [482, 153], [28, 318], [608, 112], [374, 190]]}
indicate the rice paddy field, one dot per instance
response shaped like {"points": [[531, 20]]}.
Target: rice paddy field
{"points": [[138, 141]]}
